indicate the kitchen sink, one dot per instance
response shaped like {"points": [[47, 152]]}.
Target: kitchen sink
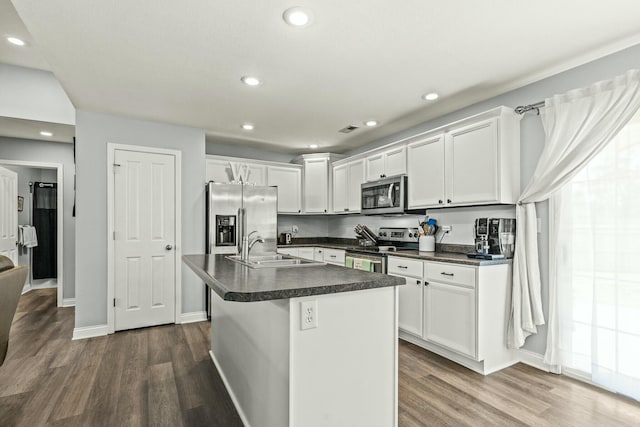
{"points": [[275, 260]]}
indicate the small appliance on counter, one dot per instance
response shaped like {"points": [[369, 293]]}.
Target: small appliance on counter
{"points": [[285, 239], [494, 238]]}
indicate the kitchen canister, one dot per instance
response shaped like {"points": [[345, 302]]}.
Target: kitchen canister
{"points": [[427, 243]]}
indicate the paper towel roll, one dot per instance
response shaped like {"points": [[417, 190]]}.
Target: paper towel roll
{"points": [[427, 243]]}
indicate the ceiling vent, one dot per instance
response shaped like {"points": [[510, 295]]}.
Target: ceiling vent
{"points": [[348, 129]]}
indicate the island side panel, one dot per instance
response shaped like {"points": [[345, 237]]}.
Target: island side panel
{"points": [[250, 347], [344, 372]]}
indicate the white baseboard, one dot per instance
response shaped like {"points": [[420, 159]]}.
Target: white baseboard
{"points": [[90, 332], [231, 394], [533, 359], [27, 288], [68, 302], [44, 284], [194, 316]]}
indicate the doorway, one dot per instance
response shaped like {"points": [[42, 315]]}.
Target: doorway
{"points": [[49, 260], [144, 254]]}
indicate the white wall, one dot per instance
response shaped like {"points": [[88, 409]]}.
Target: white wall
{"points": [[93, 132], [33, 95], [51, 152]]}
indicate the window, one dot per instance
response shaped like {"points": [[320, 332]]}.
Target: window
{"points": [[598, 271]]}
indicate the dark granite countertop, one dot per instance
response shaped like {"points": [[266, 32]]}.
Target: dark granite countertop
{"points": [[449, 257], [235, 282], [440, 256]]}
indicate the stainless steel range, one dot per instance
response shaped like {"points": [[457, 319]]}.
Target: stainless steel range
{"points": [[388, 241]]}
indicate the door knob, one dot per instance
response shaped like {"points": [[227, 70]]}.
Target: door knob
{"points": [[168, 247]]}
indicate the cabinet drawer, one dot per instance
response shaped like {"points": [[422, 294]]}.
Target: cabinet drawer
{"points": [[451, 273], [334, 256], [404, 267]]}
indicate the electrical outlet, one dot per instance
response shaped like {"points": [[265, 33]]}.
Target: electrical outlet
{"points": [[308, 314], [294, 229], [446, 229]]}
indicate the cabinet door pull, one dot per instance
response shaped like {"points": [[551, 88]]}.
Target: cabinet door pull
{"points": [[447, 274], [403, 266], [418, 282], [426, 283], [332, 256], [439, 202], [346, 209], [448, 200]]}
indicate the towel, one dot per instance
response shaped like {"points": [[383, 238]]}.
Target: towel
{"points": [[27, 236]]}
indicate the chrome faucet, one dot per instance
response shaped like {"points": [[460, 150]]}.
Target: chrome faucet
{"points": [[247, 244]]}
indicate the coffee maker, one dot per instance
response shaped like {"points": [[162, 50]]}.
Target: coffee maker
{"points": [[494, 238]]}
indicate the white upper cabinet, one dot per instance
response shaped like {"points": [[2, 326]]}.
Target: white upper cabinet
{"points": [[288, 179], [472, 162], [390, 162], [220, 170], [347, 179], [472, 153], [425, 171], [395, 161], [316, 185]]}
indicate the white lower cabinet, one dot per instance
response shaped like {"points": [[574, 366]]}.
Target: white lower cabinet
{"points": [[457, 311], [288, 251], [450, 317], [306, 253], [409, 295]]}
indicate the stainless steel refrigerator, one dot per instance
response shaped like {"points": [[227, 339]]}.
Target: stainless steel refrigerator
{"points": [[232, 207], [225, 206]]}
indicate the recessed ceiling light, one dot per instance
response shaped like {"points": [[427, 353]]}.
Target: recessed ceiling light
{"points": [[16, 41], [251, 81], [297, 16], [431, 96], [371, 123], [247, 126], [313, 145], [45, 133]]}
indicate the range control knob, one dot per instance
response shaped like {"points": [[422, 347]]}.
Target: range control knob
{"points": [[383, 234], [410, 234]]}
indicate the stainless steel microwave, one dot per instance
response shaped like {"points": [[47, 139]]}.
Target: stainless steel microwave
{"points": [[385, 196]]}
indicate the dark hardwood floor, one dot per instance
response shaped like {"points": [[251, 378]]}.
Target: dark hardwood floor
{"points": [[164, 376]]}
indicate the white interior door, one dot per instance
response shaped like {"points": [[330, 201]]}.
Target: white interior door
{"points": [[144, 239], [9, 214]]}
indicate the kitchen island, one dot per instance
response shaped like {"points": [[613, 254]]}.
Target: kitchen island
{"points": [[304, 346]]}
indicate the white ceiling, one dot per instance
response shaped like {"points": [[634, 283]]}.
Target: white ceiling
{"points": [[181, 62]]}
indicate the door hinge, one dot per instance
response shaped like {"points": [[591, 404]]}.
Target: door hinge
{"points": [[114, 302]]}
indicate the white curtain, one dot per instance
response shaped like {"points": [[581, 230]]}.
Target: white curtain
{"points": [[597, 272], [577, 126]]}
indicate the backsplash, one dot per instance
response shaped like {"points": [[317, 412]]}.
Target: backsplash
{"points": [[308, 225], [460, 219]]}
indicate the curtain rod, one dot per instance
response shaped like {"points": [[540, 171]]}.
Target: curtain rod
{"points": [[524, 108]]}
